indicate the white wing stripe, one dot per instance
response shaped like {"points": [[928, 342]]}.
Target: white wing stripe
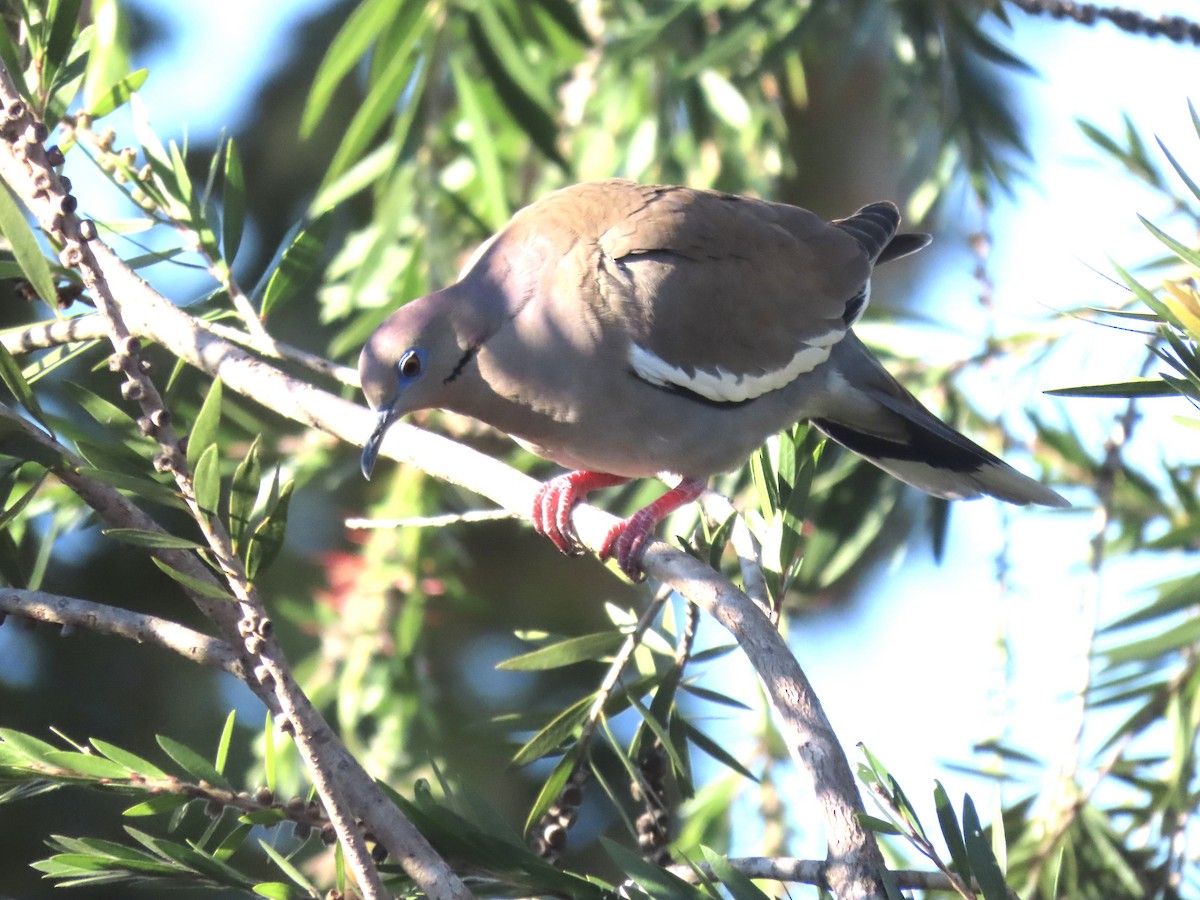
{"points": [[725, 387]]}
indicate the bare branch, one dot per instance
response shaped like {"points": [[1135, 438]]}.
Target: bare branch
{"points": [[143, 629]]}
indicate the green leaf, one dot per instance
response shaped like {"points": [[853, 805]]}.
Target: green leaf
{"points": [[14, 380], [877, 825], [243, 491], [385, 91], [145, 488], [585, 647], [1184, 252], [61, 43], [206, 476], [204, 431], [739, 885], [270, 816], [979, 852], [158, 540], [483, 147], [233, 217], [1137, 387], [11, 512], [33, 749], [268, 537], [223, 745], [118, 95], [203, 588], [654, 880], [25, 249], [551, 788], [555, 734], [103, 411], [717, 752], [232, 842], [157, 804], [298, 264], [86, 764], [192, 762], [366, 23], [951, 831], [275, 890], [288, 869], [131, 761], [508, 70]]}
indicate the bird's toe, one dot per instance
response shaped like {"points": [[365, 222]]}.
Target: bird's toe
{"points": [[552, 516], [625, 543]]}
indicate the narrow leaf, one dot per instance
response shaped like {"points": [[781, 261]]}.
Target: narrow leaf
{"points": [[243, 491], [739, 885], [156, 804], [158, 540], [951, 831], [233, 218], [364, 26], [118, 95], [269, 535], [287, 868], [206, 477], [25, 248], [979, 852], [204, 430], [564, 653], [131, 761], [192, 762], [203, 588], [86, 764], [298, 264], [223, 745]]}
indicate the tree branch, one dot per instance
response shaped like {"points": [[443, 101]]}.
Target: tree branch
{"points": [[336, 774], [143, 629], [854, 859], [854, 863]]}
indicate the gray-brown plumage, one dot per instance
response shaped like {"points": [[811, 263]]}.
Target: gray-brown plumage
{"points": [[627, 330]]}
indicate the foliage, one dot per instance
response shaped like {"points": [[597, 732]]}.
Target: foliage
{"points": [[439, 119]]}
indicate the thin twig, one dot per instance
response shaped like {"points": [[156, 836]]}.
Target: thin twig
{"points": [[192, 645]]}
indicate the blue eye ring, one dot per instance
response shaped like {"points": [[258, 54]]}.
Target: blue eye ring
{"points": [[411, 365]]}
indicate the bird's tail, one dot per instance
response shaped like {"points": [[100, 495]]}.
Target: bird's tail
{"points": [[875, 417]]}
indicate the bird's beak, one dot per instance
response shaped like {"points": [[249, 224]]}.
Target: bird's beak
{"points": [[370, 453]]}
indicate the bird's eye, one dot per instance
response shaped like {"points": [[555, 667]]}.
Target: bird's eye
{"points": [[410, 364]]}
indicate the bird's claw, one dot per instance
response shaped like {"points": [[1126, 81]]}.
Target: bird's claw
{"points": [[626, 542], [552, 515]]}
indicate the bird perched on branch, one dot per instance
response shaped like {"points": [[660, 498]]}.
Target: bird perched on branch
{"points": [[627, 331]]}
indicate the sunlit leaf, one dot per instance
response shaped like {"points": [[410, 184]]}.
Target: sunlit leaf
{"points": [[564, 653], [24, 245], [204, 429], [297, 266], [118, 95], [160, 540]]}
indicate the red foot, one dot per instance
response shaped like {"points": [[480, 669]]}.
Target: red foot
{"points": [[627, 540], [552, 506]]}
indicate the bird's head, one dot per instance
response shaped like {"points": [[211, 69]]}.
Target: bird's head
{"points": [[410, 361]]}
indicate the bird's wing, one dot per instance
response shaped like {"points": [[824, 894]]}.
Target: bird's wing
{"points": [[728, 297]]}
